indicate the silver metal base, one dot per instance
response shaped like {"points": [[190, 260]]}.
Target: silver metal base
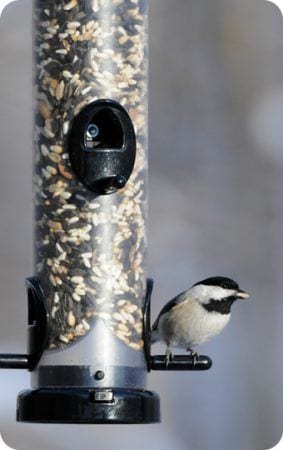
{"points": [[87, 376]]}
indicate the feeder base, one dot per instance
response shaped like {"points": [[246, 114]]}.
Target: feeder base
{"points": [[88, 405]]}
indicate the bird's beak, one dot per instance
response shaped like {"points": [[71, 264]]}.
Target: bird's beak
{"points": [[242, 294]]}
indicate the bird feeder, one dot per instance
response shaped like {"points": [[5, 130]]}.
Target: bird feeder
{"points": [[89, 301]]}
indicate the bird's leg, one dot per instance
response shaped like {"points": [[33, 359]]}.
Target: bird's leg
{"points": [[168, 356], [194, 355]]}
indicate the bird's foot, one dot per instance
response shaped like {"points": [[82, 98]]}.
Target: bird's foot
{"points": [[169, 357], [194, 355]]}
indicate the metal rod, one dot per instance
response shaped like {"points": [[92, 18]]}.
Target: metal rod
{"points": [[13, 361]]}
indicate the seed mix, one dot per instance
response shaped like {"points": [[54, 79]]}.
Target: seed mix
{"points": [[90, 250]]}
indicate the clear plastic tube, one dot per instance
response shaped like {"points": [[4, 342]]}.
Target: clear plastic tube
{"points": [[90, 252]]}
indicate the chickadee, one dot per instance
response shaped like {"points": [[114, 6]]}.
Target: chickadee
{"points": [[196, 315]]}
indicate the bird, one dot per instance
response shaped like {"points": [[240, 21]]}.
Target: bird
{"points": [[196, 315]]}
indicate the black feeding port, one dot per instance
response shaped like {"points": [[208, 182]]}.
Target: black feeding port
{"points": [[102, 146]]}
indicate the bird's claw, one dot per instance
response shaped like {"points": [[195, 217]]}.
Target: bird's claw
{"points": [[194, 355], [169, 357]]}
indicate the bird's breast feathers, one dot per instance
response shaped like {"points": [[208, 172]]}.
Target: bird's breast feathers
{"points": [[189, 324]]}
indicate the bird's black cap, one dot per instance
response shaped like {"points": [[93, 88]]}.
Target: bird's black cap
{"points": [[223, 282]]}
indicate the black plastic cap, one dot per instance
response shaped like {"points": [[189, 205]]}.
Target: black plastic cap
{"points": [[86, 405]]}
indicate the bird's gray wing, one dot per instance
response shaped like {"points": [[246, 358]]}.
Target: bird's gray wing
{"points": [[170, 305]]}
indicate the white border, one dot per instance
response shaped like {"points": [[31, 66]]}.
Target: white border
{"points": [[3, 4], [278, 3], [4, 446]]}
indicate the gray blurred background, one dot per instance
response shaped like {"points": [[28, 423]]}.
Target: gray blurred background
{"points": [[216, 208]]}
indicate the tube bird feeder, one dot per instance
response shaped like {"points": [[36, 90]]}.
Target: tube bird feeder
{"points": [[88, 303]]}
